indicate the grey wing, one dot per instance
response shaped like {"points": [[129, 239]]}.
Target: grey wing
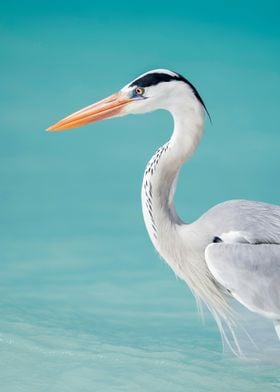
{"points": [[261, 221], [251, 272]]}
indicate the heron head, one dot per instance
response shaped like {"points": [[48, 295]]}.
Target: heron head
{"points": [[157, 89]]}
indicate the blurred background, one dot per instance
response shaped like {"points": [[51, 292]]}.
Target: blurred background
{"points": [[86, 304]]}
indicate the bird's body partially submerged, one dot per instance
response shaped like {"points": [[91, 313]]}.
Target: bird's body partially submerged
{"points": [[234, 248]]}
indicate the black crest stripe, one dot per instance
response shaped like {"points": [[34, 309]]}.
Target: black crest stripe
{"points": [[152, 79], [196, 93]]}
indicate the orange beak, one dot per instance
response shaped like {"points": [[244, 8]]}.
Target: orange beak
{"points": [[108, 107]]}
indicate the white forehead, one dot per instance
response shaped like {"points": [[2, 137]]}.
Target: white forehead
{"points": [[159, 70]]}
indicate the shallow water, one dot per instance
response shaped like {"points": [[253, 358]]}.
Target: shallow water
{"points": [[86, 304]]}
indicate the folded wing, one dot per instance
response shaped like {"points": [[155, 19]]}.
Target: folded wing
{"points": [[251, 272]]}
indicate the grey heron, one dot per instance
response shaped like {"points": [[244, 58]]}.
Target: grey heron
{"points": [[232, 250]]}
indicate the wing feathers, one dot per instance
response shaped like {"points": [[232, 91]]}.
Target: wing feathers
{"points": [[250, 272]]}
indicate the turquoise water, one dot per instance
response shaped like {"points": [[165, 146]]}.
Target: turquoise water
{"points": [[86, 304]]}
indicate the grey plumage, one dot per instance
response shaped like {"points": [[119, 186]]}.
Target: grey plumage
{"points": [[260, 220], [245, 264]]}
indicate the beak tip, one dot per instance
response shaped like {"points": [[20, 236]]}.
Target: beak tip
{"points": [[51, 128]]}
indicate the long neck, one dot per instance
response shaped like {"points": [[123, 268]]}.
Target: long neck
{"points": [[175, 241], [161, 173]]}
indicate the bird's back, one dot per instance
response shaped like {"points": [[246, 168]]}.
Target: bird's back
{"points": [[261, 221]]}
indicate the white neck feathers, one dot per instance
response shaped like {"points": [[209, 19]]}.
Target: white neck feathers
{"points": [[161, 173]]}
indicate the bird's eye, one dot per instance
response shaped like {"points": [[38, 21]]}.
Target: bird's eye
{"points": [[139, 91]]}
